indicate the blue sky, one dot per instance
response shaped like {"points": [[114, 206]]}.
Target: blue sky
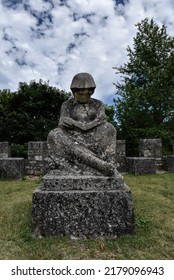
{"points": [[55, 39]]}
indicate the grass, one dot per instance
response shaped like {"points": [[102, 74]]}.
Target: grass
{"points": [[153, 197]]}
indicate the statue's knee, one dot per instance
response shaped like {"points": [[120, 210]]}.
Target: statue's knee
{"points": [[108, 130], [54, 133], [111, 129]]}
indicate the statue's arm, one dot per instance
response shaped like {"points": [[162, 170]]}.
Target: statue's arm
{"points": [[100, 118], [65, 119], [68, 122]]}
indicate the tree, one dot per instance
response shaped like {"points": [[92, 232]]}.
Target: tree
{"points": [[110, 114], [145, 96], [30, 113]]}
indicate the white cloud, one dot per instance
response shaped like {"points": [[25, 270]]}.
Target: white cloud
{"points": [[42, 41]]}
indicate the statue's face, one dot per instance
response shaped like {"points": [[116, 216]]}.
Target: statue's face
{"points": [[82, 95]]}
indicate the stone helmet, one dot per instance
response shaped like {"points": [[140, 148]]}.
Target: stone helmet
{"points": [[82, 80]]}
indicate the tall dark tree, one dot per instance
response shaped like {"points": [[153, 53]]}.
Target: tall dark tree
{"points": [[30, 113], [145, 96], [110, 114]]}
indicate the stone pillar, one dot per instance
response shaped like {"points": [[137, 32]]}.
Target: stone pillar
{"points": [[37, 150], [37, 163], [150, 148], [121, 155], [4, 150]]}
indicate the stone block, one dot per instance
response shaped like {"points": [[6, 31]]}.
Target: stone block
{"points": [[37, 150], [12, 168], [82, 206], [141, 165], [36, 167], [150, 148], [5, 151], [170, 163]]}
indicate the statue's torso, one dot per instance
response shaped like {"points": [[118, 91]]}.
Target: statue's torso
{"points": [[83, 112]]}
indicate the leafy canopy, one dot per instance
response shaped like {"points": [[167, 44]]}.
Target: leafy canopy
{"points": [[145, 96], [30, 113]]}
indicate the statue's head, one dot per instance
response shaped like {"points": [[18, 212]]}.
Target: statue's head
{"points": [[82, 87]]}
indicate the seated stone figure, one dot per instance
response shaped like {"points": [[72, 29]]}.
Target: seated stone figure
{"points": [[84, 142]]}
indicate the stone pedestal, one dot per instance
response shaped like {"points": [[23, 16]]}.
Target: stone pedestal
{"points": [[170, 163], [141, 165], [82, 206]]}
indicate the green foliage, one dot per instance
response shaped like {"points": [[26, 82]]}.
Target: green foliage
{"points": [[142, 222], [29, 114], [18, 150], [110, 113], [145, 96]]}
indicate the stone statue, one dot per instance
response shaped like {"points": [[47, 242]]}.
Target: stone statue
{"points": [[84, 142], [83, 195]]}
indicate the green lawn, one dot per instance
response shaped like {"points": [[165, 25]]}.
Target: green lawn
{"points": [[153, 197]]}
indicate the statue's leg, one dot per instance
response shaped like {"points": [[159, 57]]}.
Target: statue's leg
{"points": [[103, 141], [60, 144]]}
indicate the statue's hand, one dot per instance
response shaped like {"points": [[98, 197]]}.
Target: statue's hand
{"points": [[68, 122], [92, 124]]}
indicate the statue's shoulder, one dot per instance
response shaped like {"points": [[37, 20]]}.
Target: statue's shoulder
{"points": [[68, 102], [97, 102]]}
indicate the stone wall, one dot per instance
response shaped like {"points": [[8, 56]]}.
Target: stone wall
{"points": [[37, 163], [10, 168]]}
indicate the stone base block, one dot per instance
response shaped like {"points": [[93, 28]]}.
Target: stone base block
{"points": [[88, 212], [12, 168], [141, 165], [170, 163]]}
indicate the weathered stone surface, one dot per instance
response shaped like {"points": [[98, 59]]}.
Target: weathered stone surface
{"points": [[37, 150], [87, 149], [12, 168], [121, 155], [150, 148], [84, 142], [83, 213], [36, 167], [82, 80], [170, 163], [141, 165], [55, 182], [83, 195], [5, 151]]}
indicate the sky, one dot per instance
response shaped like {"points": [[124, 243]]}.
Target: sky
{"points": [[53, 40]]}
